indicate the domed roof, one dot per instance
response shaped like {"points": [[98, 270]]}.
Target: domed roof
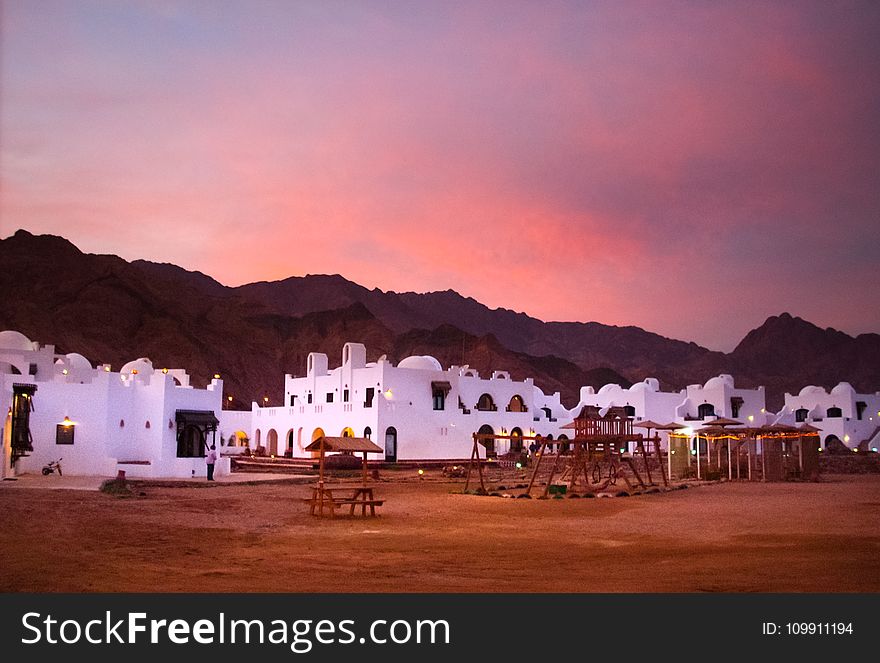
{"points": [[141, 365], [13, 340], [719, 381], [77, 362], [609, 387], [648, 384], [811, 389], [843, 388], [421, 362]]}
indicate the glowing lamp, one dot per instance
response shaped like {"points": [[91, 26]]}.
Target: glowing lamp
{"points": [[519, 466], [67, 423], [388, 393], [751, 417], [107, 368], [846, 438], [64, 371], [229, 398], [421, 472], [165, 370], [216, 376]]}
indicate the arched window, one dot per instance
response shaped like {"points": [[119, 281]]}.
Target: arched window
{"points": [[801, 414], [834, 413], [517, 404], [347, 432], [368, 432], [705, 410], [486, 403]]}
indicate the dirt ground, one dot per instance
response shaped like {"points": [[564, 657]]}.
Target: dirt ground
{"points": [[730, 537]]}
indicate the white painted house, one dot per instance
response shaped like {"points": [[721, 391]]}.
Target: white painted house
{"points": [[148, 421], [416, 410], [695, 406], [841, 414]]}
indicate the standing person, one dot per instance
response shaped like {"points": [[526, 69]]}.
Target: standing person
{"points": [[210, 459]]}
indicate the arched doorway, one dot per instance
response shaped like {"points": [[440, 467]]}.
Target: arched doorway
{"points": [[288, 451], [272, 442], [368, 432], [563, 445], [705, 410], [318, 432], [517, 404], [486, 429], [257, 439], [391, 445], [516, 443]]}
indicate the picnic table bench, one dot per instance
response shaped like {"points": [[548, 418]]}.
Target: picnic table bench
{"points": [[360, 496]]}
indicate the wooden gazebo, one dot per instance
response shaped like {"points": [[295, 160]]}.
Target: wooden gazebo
{"points": [[323, 497]]}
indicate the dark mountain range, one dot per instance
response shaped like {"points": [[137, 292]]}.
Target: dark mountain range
{"points": [[112, 311]]}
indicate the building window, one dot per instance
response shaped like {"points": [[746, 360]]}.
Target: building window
{"points": [[861, 406], [801, 414], [735, 404], [517, 404], [345, 395], [368, 432], [329, 397], [706, 410], [64, 434], [629, 410], [486, 403], [834, 413], [292, 399], [368, 397], [439, 399], [309, 398]]}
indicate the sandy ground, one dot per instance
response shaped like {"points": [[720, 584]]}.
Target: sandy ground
{"points": [[735, 537]]}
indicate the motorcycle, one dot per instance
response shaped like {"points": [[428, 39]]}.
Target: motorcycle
{"points": [[52, 466]]}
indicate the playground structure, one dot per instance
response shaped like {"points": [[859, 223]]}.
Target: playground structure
{"points": [[594, 459]]}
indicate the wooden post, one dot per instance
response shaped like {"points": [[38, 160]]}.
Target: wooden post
{"points": [[365, 468], [698, 456], [729, 461], [321, 481], [541, 447]]}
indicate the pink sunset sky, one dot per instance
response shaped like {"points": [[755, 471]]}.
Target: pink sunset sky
{"points": [[690, 168]]}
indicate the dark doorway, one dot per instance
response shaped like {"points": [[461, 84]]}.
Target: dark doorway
{"points": [[391, 445]]}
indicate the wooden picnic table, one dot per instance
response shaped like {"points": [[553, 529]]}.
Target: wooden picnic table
{"points": [[360, 496]]}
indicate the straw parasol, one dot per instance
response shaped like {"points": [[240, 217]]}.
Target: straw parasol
{"points": [[723, 421]]}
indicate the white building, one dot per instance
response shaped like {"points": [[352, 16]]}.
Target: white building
{"points": [[695, 406], [416, 410], [841, 414], [149, 422]]}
